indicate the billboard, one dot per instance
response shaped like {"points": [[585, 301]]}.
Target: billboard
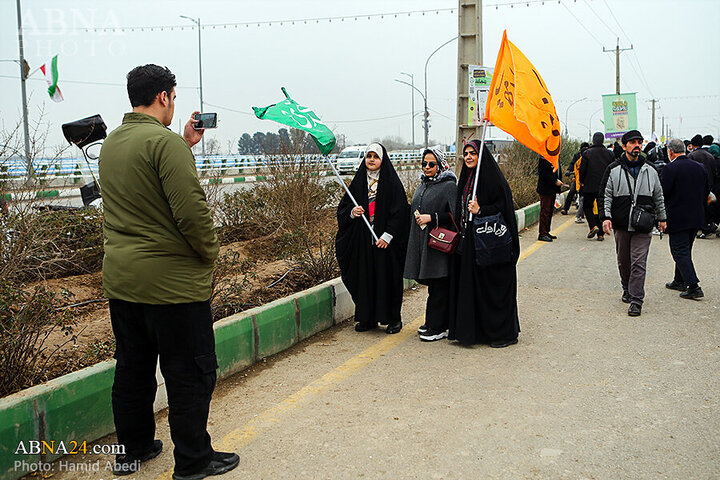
{"points": [[478, 87], [620, 112]]}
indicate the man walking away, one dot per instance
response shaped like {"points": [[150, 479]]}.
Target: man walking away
{"points": [[548, 187], [627, 181], [573, 187], [685, 188], [160, 249], [593, 164], [702, 155]]}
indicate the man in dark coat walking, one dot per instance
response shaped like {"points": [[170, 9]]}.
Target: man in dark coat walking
{"points": [[548, 186], [593, 163], [685, 187], [702, 155]]}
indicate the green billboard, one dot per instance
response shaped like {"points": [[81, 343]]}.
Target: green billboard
{"points": [[620, 112]]}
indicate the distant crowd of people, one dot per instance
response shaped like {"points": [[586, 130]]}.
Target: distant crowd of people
{"points": [[637, 190]]}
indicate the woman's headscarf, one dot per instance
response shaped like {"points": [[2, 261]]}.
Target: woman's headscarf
{"points": [[443, 165]]}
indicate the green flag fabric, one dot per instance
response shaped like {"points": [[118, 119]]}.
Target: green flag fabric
{"points": [[290, 113]]}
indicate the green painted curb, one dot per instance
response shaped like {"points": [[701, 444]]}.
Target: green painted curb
{"points": [[234, 344], [315, 311], [17, 421], [276, 327]]}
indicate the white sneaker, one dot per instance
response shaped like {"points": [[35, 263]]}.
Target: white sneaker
{"points": [[579, 220], [432, 335]]}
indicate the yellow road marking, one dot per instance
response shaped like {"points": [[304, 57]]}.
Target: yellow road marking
{"points": [[534, 247], [241, 437]]}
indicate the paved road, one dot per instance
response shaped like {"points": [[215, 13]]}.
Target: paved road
{"points": [[588, 393]]}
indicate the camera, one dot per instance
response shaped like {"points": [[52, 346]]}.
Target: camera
{"points": [[205, 120]]}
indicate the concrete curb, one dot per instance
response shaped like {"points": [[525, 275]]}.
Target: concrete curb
{"points": [[77, 406]]}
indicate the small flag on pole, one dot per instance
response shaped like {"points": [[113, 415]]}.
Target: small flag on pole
{"points": [[520, 104], [51, 75], [289, 113]]}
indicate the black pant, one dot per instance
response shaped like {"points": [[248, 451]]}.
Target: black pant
{"points": [[182, 335], [438, 304], [570, 196], [547, 205], [588, 201], [681, 244]]}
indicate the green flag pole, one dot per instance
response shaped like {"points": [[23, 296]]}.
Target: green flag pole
{"points": [[347, 190]]}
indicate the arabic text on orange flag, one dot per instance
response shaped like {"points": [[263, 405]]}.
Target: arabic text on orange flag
{"points": [[519, 103]]}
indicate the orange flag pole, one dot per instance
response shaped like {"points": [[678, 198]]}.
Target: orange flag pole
{"points": [[477, 167]]}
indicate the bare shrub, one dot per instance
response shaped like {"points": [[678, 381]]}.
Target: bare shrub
{"points": [[27, 318], [314, 255], [231, 279]]}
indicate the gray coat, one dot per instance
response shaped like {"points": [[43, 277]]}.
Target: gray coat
{"points": [[431, 197]]}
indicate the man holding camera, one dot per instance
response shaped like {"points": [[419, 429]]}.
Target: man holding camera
{"points": [[160, 250], [630, 196]]}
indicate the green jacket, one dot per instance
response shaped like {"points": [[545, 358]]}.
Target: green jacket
{"points": [[160, 241]]}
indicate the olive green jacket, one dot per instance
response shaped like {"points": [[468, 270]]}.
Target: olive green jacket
{"points": [[160, 241]]}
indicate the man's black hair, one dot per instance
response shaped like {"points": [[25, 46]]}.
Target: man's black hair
{"points": [[145, 82], [708, 140]]}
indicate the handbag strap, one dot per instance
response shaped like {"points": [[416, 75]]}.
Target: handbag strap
{"points": [[633, 191]]}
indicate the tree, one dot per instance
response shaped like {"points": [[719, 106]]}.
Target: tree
{"points": [[246, 144]]}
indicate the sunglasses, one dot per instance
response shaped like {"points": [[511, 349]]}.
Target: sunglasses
{"points": [[428, 164]]}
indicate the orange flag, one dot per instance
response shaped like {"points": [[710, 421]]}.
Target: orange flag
{"points": [[519, 103]]}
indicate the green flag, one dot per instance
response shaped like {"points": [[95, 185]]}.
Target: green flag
{"points": [[289, 113]]}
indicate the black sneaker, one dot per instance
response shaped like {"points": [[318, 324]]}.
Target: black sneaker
{"points": [[433, 335], [635, 310], [128, 464], [626, 297], [545, 238], [675, 285], [503, 343], [552, 236], [220, 463], [693, 293], [360, 327], [423, 328], [394, 328]]}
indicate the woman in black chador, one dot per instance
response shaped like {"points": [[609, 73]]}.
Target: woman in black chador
{"points": [[483, 303], [372, 271]]}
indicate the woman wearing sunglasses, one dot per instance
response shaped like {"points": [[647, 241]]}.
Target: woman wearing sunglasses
{"points": [[372, 270], [483, 304], [431, 207]]}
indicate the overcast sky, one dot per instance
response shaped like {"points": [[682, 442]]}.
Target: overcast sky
{"points": [[345, 70]]}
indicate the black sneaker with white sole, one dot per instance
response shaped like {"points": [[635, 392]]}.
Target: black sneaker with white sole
{"points": [[423, 328], [433, 335]]}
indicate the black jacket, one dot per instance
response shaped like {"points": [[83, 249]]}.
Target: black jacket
{"points": [[706, 158], [547, 178], [685, 187], [592, 167]]}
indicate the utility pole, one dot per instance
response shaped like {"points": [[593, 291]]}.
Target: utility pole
{"points": [[23, 77], [653, 116], [663, 138], [470, 52], [199, 27], [617, 51]]}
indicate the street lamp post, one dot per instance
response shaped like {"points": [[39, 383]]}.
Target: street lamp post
{"points": [[197, 22], [413, 114], [590, 122], [412, 105], [566, 113], [427, 114]]}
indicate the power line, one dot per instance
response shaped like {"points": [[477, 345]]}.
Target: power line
{"points": [[616, 21], [285, 22], [80, 82], [601, 19]]}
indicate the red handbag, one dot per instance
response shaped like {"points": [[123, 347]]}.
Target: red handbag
{"points": [[444, 240]]}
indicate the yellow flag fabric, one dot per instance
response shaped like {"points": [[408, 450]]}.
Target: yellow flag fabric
{"points": [[520, 104]]}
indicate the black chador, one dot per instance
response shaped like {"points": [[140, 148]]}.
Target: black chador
{"points": [[373, 275], [483, 304]]}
